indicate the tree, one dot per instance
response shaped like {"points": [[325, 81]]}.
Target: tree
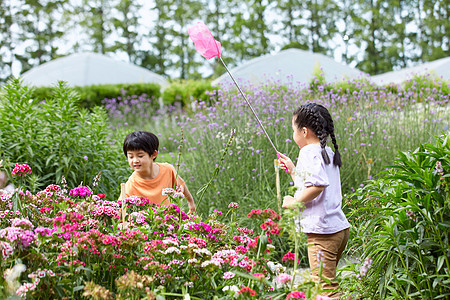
{"points": [[348, 29], [292, 27], [126, 23], [434, 28], [156, 59], [96, 23], [320, 24], [374, 31], [183, 13], [6, 40], [40, 31]]}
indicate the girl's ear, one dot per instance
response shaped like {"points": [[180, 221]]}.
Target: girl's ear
{"points": [[304, 131]]}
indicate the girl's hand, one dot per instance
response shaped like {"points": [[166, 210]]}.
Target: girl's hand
{"points": [[289, 202], [286, 163]]}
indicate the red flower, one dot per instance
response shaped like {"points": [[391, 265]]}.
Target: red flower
{"points": [[247, 290], [101, 196]]}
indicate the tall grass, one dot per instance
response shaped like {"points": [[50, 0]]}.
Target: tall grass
{"points": [[58, 139], [372, 124]]}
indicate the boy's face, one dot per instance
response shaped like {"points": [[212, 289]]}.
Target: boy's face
{"points": [[140, 161]]}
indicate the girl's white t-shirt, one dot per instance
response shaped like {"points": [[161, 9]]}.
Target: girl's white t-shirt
{"points": [[324, 214]]}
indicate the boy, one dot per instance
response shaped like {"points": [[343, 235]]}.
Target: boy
{"points": [[150, 178]]}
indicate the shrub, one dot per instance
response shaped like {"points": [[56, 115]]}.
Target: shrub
{"points": [[185, 92], [92, 95], [402, 224], [58, 139]]}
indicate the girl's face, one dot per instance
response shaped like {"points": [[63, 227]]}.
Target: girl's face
{"points": [[140, 161], [299, 135]]}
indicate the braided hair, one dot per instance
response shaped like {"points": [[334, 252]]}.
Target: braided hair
{"points": [[317, 118]]}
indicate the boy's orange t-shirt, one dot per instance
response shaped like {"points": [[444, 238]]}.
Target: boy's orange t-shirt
{"points": [[152, 188]]}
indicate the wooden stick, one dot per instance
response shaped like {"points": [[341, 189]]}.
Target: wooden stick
{"points": [[122, 197], [277, 173]]}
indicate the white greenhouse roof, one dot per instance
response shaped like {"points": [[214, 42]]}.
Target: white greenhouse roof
{"points": [[289, 66], [83, 69], [438, 68]]}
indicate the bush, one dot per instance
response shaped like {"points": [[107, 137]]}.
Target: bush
{"points": [[58, 139], [427, 84], [402, 224], [185, 92], [92, 95]]}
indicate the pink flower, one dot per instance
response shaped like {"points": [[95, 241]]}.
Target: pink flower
{"points": [[21, 170], [204, 41], [284, 278], [81, 191], [233, 205], [6, 250], [259, 276], [296, 295]]}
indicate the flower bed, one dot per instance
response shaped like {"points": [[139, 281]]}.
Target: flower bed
{"points": [[73, 244]]}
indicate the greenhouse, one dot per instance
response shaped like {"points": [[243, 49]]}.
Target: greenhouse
{"points": [[83, 69], [438, 68], [290, 66]]}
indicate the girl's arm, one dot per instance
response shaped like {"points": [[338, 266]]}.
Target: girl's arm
{"points": [[307, 195], [287, 164]]}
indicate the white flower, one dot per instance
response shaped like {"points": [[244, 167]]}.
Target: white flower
{"points": [[232, 288], [192, 260], [168, 191], [172, 249]]}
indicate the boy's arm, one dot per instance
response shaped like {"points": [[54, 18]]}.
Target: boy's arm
{"points": [[307, 195], [187, 194], [190, 200]]}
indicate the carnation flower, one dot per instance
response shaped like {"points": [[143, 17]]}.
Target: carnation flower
{"points": [[233, 205], [228, 275], [6, 250], [296, 295], [247, 291], [21, 170], [284, 278], [81, 191]]}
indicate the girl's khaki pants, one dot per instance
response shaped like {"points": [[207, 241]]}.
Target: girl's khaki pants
{"points": [[327, 248]]}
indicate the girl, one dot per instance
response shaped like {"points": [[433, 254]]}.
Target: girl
{"points": [[319, 188]]}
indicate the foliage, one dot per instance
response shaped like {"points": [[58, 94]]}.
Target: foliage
{"points": [[79, 244], [424, 84], [401, 222], [92, 95], [57, 138], [372, 123], [186, 92], [373, 35]]}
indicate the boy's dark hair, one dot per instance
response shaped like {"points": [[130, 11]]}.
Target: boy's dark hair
{"points": [[317, 118], [141, 140]]}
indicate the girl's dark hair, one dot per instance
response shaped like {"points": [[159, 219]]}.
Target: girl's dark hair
{"points": [[141, 140], [317, 118]]}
